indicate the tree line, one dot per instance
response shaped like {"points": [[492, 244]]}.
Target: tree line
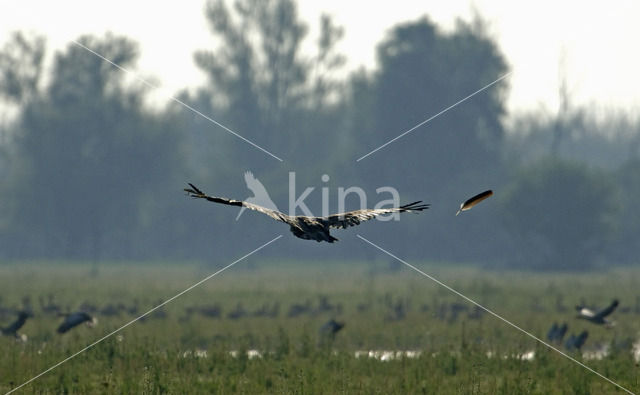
{"points": [[91, 171]]}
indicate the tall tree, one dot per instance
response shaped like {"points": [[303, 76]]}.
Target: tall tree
{"points": [[257, 70], [627, 248], [21, 67], [89, 154], [421, 71], [263, 84], [326, 62], [20, 71]]}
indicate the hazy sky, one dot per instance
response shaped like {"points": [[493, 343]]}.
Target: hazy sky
{"points": [[599, 42]]}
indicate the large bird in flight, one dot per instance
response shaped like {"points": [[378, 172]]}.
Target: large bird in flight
{"points": [[312, 228], [598, 317]]}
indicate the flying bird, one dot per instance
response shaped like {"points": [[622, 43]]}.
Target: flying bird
{"points": [[12, 330], [599, 317], [74, 319], [312, 228], [467, 205]]}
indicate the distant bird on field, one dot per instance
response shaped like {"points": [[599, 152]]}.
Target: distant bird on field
{"points": [[329, 330], [467, 205], [599, 317], [576, 342], [74, 319], [48, 306], [556, 333], [12, 330], [298, 309], [209, 311], [312, 228], [266, 310], [551, 334], [238, 313]]}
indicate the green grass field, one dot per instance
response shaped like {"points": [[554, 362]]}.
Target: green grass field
{"points": [[186, 348]]}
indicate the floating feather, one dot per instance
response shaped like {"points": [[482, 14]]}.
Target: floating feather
{"points": [[474, 200]]}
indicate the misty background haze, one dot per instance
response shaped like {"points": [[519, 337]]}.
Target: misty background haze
{"points": [[93, 170]]}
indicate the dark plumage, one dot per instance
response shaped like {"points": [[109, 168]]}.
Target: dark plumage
{"points": [[599, 317], [561, 332], [74, 319], [576, 342], [312, 228], [551, 334], [12, 329], [556, 333], [331, 327]]}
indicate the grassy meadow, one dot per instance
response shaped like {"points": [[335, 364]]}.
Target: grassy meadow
{"points": [[255, 328]]}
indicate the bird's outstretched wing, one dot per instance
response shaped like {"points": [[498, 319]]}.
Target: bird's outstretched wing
{"points": [[15, 326], [353, 218], [196, 193], [605, 312]]}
